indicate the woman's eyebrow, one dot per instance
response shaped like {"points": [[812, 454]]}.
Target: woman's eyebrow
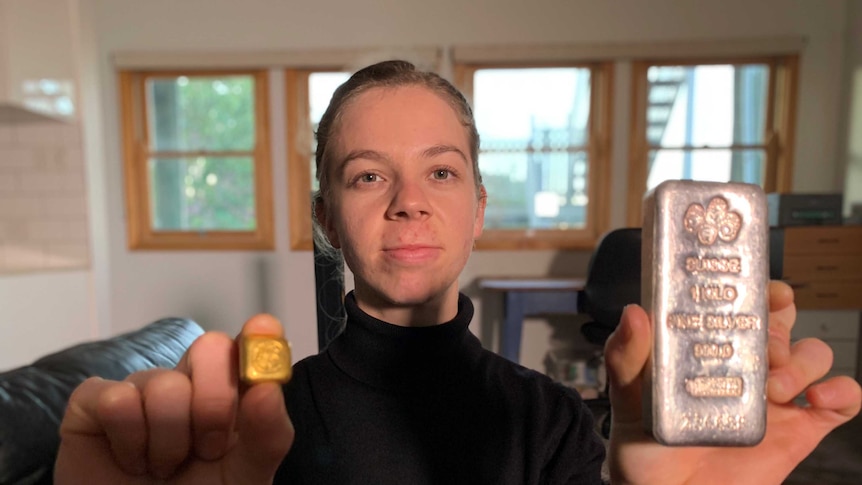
{"points": [[435, 150], [429, 152], [357, 154]]}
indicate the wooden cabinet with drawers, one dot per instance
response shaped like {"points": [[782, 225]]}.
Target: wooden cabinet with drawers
{"points": [[823, 264]]}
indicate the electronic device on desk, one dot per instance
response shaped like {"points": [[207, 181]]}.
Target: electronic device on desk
{"points": [[805, 209]]}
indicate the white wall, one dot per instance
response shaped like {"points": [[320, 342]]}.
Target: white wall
{"points": [[46, 295], [222, 289], [43, 312]]}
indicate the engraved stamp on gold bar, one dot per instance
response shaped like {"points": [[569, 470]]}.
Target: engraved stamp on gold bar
{"points": [[704, 284], [264, 358]]}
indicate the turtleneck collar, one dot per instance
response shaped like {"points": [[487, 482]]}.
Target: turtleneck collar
{"points": [[403, 359]]}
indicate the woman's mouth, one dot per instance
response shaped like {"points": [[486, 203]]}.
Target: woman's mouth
{"points": [[412, 254]]}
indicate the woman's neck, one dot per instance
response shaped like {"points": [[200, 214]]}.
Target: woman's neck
{"points": [[434, 311]]}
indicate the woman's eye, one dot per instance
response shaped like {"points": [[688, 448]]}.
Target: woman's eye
{"points": [[441, 174], [367, 178]]}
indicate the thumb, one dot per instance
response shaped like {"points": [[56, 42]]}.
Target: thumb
{"points": [[265, 434], [626, 354]]}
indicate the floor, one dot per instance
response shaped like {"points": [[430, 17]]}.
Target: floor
{"points": [[837, 461]]}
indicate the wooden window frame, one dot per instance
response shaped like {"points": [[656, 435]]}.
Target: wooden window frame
{"points": [[599, 160], [299, 139], [780, 126], [135, 129]]}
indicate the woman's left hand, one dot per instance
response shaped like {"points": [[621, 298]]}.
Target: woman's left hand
{"points": [[792, 432]]}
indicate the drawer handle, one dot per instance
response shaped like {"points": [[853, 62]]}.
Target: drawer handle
{"points": [[826, 295], [828, 240], [827, 267]]}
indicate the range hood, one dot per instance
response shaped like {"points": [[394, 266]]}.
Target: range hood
{"points": [[11, 112], [37, 60]]}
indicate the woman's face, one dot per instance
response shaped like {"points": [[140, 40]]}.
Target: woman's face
{"points": [[404, 207]]}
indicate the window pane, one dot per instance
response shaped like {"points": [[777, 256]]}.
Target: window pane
{"points": [[201, 113], [707, 165], [534, 127], [202, 194], [522, 104], [539, 190], [710, 105], [321, 86]]}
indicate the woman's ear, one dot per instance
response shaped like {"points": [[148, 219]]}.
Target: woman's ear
{"points": [[321, 213], [479, 223]]}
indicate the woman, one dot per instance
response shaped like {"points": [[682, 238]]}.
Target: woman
{"points": [[406, 394]]}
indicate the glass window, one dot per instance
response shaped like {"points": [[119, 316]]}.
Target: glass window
{"points": [[198, 157], [720, 121], [308, 95], [539, 129], [321, 86], [533, 155], [707, 123]]}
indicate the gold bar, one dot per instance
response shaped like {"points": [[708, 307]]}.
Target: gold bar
{"points": [[705, 276], [264, 358]]}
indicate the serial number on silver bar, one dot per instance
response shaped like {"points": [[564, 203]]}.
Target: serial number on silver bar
{"points": [[705, 279]]}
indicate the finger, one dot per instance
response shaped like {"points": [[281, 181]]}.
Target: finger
{"points": [[263, 324], [782, 315], [269, 328], [626, 354], [265, 434], [121, 412], [113, 409], [780, 296], [836, 400], [167, 398], [82, 415], [810, 359], [211, 365]]}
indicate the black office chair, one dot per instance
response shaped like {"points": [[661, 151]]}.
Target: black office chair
{"points": [[329, 286], [613, 281]]}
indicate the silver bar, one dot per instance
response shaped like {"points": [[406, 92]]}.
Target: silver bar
{"points": [[705, 279]]}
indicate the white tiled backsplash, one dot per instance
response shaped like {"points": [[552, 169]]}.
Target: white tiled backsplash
{"points": [[43, 198]]}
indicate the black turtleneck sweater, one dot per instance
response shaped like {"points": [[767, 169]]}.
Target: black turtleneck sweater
{"points": [[384, 404]]}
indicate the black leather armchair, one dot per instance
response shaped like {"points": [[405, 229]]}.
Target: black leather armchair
{"points": [[33, 398]]}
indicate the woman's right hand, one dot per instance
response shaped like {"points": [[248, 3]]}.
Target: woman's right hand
{"points": [[196, 424]]}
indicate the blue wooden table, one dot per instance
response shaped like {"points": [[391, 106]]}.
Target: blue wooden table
{"points": [[530, 297]]}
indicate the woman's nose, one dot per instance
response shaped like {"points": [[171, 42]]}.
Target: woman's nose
{"points": [[409, 201]]}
